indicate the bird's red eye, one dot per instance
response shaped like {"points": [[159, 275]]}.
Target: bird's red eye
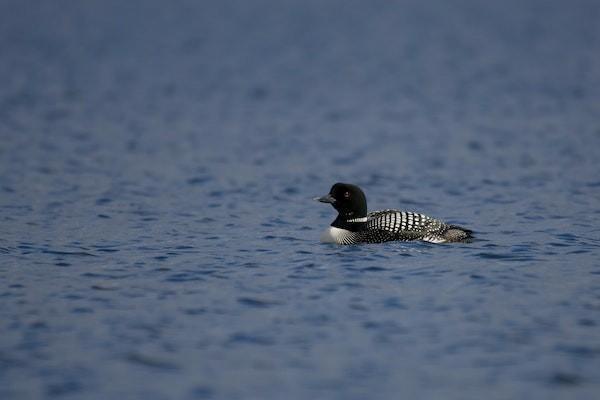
{"points": [[346, 195]]}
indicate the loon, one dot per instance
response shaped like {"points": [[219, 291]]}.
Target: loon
{"points": [[354, 225]]}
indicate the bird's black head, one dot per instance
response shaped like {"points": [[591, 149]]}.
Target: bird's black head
{"points": [[349, 200]]}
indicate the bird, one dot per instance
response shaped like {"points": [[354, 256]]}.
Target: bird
{"points": [[355, 225]]}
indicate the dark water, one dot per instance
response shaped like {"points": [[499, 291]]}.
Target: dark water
{"points": [[157, 162]]}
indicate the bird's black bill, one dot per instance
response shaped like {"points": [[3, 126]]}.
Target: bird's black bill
{"points": [[326, 199]]}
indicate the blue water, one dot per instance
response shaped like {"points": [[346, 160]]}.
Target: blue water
{"points": [[157, 164]]}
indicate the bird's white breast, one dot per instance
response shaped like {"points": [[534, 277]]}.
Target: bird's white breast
{"points": [[334, 235]]}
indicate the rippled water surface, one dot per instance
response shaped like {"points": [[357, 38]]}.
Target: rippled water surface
{"points": [[157, 164]]}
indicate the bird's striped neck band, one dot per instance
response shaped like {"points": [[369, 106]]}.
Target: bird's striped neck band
{"points": [[361, 219]]}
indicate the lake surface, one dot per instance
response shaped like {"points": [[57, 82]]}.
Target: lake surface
{"points": [[157, 164]]}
